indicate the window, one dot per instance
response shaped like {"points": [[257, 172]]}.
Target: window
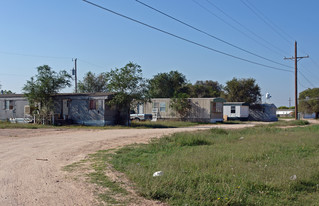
{"points": [[8, 105], [162, 107], [232, 109], [155, 105], [92, 105]]}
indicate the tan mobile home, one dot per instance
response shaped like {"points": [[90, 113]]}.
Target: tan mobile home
{"points": [[202, 109]]}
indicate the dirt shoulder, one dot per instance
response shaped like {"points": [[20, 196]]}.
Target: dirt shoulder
{"points": [[31, 161]]}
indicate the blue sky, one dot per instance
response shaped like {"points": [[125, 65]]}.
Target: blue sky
{"points": [[37, 32]]}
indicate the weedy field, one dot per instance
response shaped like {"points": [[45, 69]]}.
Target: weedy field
{"points": [[254, 166]]}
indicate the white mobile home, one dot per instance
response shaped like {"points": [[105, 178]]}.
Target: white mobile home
{"points": [[14, 106], [236, 110]]}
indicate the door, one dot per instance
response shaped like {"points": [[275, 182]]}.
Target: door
{"points": [[65, 109]]}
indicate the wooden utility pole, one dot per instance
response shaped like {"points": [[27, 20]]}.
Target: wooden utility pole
{"points": [[296, 58], [75, 76]]}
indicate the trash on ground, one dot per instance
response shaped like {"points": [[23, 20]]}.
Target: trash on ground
{"points": [[158, 173]]}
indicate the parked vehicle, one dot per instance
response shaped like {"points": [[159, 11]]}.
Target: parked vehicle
{"points": [[140, 117]]}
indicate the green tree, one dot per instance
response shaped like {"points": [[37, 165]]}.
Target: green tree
{"points": [[181, 105], [93, 83], [283, 107], [39, 89], [309, 101], [7, 92], [127, 84], [166, 85], [242, 90], [206, 88]]}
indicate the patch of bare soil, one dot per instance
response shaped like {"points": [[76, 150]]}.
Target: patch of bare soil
{"points": [[31, 162]]}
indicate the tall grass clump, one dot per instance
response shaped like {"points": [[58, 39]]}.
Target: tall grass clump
{"points": [[253, 166]]}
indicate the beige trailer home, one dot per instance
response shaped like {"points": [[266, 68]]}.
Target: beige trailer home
{"points": [[202, 109]]}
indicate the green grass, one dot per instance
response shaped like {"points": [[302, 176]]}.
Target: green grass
{"points": [[252, 166], [74, 166], [8, 125], [283, 123]]}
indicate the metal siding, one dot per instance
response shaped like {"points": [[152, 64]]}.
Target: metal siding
{"points": [[244, 111], [201, 109], [238, 111], [18, 108]]}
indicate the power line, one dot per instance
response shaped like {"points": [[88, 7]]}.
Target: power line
{"points": [[277, 29], [238, 30], [270, 21], [249, 30], [210, 35], [264, 20], [49, 57], [306, 79], [302, 85], [274, 26], [315, 63], [90, 63], [314, 75], [184, 39]]}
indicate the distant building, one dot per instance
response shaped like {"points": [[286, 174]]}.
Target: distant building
{"points": [[284, 112], [308, 115], [202, 109]]}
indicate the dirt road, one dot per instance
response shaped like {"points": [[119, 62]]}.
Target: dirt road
{"points": [[31, 161]]}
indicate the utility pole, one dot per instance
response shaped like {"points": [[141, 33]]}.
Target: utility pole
{"points": [[296, 58], [74, 72]]}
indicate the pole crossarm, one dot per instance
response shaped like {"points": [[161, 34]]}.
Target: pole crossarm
{"points": [[298, 58]]}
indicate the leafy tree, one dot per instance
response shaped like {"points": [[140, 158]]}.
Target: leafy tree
{"points": [[242, 90], [39, 89], [127, 84], [7, 92], [206, 88], [93, 83], [309, 101], [181, 105], [283, 107], [166, 85]]}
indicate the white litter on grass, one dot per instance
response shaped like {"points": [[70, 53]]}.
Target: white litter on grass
{"points": [[294, 177], [158, 173], [241, 138]]}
